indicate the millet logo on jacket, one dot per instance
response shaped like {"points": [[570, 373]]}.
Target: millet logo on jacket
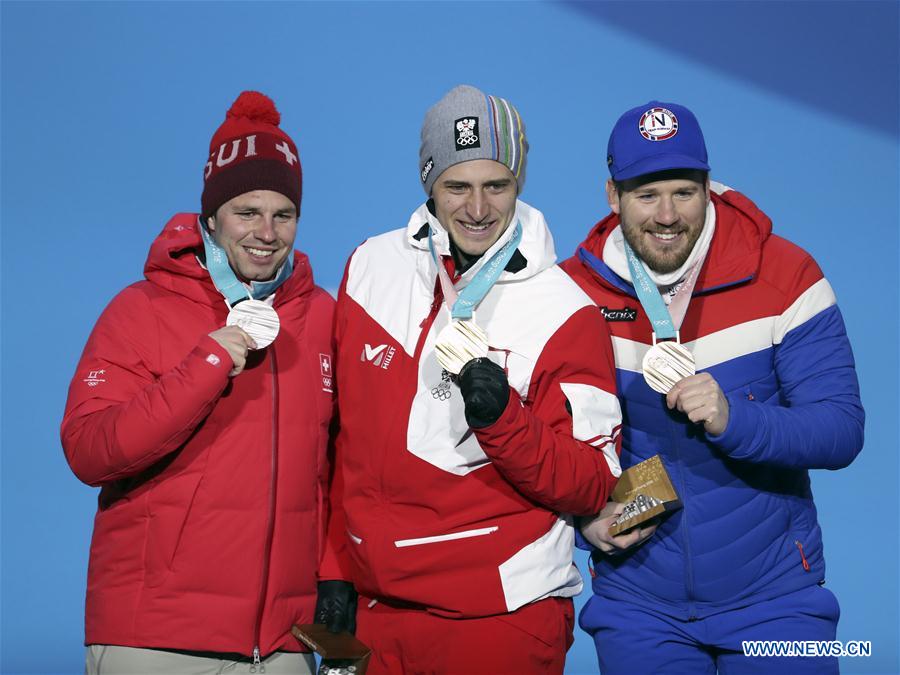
{"points": [[379, 356], [624, 314]]}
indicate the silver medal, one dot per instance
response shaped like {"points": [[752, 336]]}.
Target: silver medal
{"points": [[258, 319], [665, 364], [459, 343]]}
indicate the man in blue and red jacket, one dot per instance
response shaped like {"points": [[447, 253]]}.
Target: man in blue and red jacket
{"points": [[775, 394]]}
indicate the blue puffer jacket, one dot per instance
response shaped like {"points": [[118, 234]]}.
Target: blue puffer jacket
{"points": [[764, 323]]}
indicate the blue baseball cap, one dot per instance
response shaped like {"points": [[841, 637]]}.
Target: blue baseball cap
{"points": [[655, 137]]}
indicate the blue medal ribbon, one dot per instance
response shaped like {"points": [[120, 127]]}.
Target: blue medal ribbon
{"points": [[650, 299], [486, 277], [225, 280]]}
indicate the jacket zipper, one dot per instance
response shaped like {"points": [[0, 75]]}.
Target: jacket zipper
{"points": [[383, 491], [428, 321], [686, 545], [258, 666], [686, 539]]}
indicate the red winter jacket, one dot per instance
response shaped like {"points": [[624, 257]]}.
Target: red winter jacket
{"points": [[467, 522], [209, 523]]}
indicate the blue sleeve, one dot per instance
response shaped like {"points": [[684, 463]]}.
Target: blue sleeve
{"points": [[580, 541], [818, 422]]}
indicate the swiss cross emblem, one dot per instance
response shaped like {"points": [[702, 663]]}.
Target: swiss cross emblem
{"points": [[325, 368], [325, 364]]}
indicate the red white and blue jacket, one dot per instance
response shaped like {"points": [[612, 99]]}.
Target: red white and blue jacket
{"points": [[764, 323], [210, 519], [464, 522]]}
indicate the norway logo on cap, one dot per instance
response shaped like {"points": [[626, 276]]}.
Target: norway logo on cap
{"points": [[658, 124]]}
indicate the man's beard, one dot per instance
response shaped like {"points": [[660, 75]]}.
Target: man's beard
{"points": [[661, 263]]}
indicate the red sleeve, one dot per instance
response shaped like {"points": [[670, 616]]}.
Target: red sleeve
{"points": [[121, 415], [561, 446], [335, 563]]}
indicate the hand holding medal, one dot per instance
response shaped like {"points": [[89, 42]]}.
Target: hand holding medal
{"points": [[701, 398], [485, 392], [237, 343]]}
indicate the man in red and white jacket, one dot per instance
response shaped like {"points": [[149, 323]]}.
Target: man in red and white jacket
{"points": [[454, 494], [209, 446]]}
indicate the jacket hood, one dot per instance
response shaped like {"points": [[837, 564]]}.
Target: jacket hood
{"points": [[172, 264], [534, 254], [734, 253]]}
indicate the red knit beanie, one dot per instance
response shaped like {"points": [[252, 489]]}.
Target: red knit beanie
{"points": [[249, 152]]}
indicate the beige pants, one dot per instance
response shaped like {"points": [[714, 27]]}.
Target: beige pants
{"points": [[114, 660]]}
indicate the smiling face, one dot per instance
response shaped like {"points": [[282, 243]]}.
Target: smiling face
{"points": [[257, 231], [475, 201], [661, 220]]}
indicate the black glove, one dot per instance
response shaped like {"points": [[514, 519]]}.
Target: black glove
{"points": [[485, 391], [336, 606]]}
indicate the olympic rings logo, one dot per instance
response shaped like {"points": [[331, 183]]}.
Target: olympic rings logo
{"points": [[441, 393]]}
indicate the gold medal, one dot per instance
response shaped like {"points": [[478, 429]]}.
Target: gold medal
{"points": [[459, 343]]}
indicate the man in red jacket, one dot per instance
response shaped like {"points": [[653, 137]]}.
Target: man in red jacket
{"points": [[201, 408], [478, 413]]}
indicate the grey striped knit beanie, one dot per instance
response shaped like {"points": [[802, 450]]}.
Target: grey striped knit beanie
{"points": [[468, 124]]}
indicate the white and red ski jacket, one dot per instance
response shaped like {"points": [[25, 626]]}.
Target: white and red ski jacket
{"points": [[467, 522]]}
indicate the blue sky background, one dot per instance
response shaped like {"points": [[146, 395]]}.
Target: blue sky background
{"points": [[106, 111]]}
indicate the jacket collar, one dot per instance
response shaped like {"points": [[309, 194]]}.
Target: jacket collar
{"points": [[734, 254], [172, 264], [534, 253]]}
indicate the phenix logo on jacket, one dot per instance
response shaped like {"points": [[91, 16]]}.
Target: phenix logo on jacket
{"points": [[468, 522]]}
